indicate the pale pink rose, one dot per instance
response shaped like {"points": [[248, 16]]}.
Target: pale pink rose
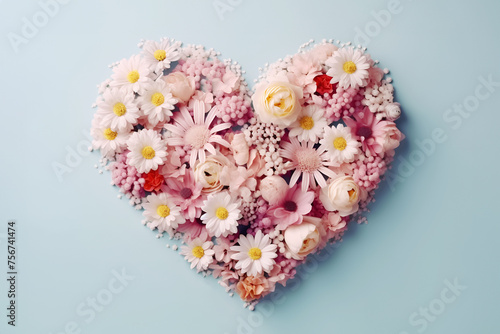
{"points": [[273, 189], [181, 86], [392, 136]]}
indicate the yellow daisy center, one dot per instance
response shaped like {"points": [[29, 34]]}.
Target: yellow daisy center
{"points": [[109, 134], [133, 76], [349, 67], [163, 211], [148, 152], [160, 55], [157, 99], [119, 109], [306, 123], [340, 143], [255, 253], [198, 252], [222, 213]]}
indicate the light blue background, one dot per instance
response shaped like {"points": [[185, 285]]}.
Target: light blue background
{"points": [[439, 223]]}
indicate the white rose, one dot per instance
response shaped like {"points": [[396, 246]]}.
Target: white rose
{"points": [[181, 87], [303, 239], [209, 172], [277, 103], [273, 189], [393, 111], [342, 195]]}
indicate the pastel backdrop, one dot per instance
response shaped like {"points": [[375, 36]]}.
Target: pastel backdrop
{"points": [[426, 262]]}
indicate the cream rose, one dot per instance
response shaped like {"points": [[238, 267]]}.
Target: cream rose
{"points": [[209, 172], [277, 103], [181, 86], [342, 195], [303, 239]]}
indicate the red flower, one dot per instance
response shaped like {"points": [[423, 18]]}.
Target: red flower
{"points": [[323, 84], [153, 180]]}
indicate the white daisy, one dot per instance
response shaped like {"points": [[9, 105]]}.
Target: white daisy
{"points": [[158, 56], [147, 150], [118, 110], [199, 253], [157, 102], [254, 255], [221, 214], [309, 125], [339, 145], [162, 213], [108, 141], [348, 67], [131, 74]]}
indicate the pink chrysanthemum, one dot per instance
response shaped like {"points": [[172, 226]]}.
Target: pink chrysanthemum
{"points": [[186, 194], [367, 129], [307, 161], [195, 132], [292, 208]]}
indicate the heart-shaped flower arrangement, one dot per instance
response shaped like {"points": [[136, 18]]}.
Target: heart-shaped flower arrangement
{"points": [[250, 191]]}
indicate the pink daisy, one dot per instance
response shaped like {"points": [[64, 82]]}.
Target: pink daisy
{"points": [[367, 129], [307, 161], [196, 132], [292, 208], [186, 194]]}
